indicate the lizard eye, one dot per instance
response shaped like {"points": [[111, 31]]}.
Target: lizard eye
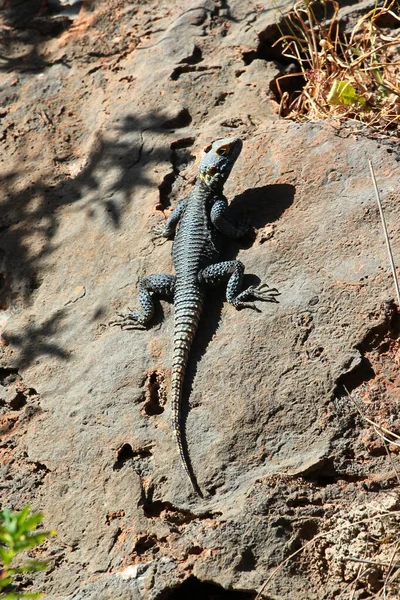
{"points": [[223, 150]]}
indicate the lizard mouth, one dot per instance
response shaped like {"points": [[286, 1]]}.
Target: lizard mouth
{"points": [[208, 175]]}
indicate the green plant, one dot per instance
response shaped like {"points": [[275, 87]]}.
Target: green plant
{"points": [[18, 532]]}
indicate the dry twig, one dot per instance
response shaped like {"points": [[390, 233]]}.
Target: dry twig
{"points": [[385, 233]]}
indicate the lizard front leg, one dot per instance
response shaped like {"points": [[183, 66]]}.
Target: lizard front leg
{"points": [[167, 229], [153, 285], [219, 220], [218, 272]]}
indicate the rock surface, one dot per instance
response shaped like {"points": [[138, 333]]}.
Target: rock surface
{"points": [[105, 109]]}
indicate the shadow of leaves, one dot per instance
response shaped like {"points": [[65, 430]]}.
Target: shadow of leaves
{"points": [[32, 209]]}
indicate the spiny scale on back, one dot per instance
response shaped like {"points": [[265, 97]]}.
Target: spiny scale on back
{"points": [[195, 222]]}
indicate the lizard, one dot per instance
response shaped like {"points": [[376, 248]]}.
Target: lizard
{"points": [[195, 226]]}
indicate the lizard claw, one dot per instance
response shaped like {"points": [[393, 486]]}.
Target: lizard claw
{"points": [[257, 292], [129, 320], [242, 305], [264, 292], [159, 231]]}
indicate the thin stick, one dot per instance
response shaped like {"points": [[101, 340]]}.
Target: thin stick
{"points": [[385, 232], [392, 566], [379, 428], [372, 562]]}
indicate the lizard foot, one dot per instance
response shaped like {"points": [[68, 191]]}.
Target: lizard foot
{"points": [[133, 319], [256, 292], [159, 231], [244, 226]]}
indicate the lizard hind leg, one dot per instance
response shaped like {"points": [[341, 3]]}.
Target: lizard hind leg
{"points": [[153, 285], [234, 269]]}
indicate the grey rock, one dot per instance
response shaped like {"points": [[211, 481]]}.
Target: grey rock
{"points": [[127, 105]]}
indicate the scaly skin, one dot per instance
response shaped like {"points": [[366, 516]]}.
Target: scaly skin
{"points": [[196, 222]]}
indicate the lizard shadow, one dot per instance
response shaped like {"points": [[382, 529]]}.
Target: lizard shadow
{"points": [[263, 205]]}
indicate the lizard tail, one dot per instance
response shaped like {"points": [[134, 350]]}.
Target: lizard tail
{"points": [[187, 316]]}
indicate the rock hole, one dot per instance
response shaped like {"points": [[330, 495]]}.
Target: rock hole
{"points": [[377, 349], [221, 98], [308, 529], [195, 551], [287, 81], [321, 475], [247, 561], [154, 393], [195, 589], [363, 372], [8, 376], [266, 49], [41, 468], [178, 71], [125, 453], [18, 401], [154, 509], [31, 411], [283, 528], [144, 544], [34, 282], [321, 479], [194, 58]]}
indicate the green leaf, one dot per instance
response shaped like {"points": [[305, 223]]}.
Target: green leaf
{"points": [[35, 565], [4, 582], [22, 515], [29, 567], [10, 521], [342, 92], [32, 522], [33, 540], [6, 556], [17, 596], [18, 533], [6, 538]]}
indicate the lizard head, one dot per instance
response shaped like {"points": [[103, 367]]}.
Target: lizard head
{"points": [[217, 163]]}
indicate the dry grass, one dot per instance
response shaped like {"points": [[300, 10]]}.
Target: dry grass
{"points": [[347, 75], [386, 531]]}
